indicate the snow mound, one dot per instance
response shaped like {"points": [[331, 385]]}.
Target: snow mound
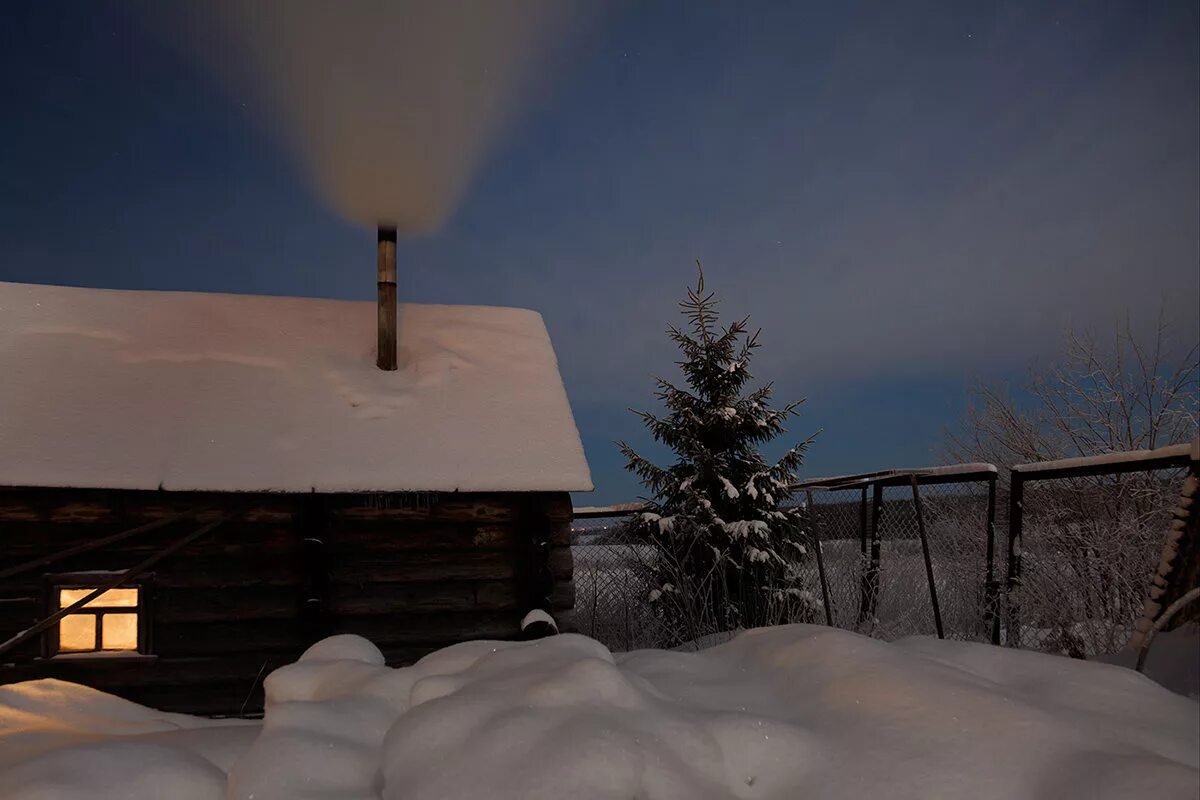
{"points": [[796, 711], [1173, 662], [115, 771], [60, 741]]}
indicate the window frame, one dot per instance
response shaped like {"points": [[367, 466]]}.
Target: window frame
{"points": [[94, 580]]}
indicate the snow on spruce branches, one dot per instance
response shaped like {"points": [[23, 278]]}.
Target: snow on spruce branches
{"points": [[726, 553]]}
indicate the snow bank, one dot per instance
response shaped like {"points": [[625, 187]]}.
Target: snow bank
{"points": [[1173, 661], [797, 711], [193, 391], [59, 740]]}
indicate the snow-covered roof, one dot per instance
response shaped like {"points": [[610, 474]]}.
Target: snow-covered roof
{"points": [[191, 391]]}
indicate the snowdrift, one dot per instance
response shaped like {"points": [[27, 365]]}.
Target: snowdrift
{"points": [[797, 711]]}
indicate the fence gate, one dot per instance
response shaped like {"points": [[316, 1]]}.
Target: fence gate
{"points": [[910, 551]]}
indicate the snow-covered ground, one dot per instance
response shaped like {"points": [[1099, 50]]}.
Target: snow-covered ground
{"points": [[790, 712]]}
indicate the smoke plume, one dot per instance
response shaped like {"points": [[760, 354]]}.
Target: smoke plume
{"points": [[390, 106]]}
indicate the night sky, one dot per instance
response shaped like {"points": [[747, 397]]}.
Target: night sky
{"points": [[904, 196]]}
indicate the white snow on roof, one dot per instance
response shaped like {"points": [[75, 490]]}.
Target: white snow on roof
{"points": [[190, 391]]}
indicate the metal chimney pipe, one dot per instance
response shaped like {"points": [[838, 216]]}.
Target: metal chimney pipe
{"points": [[387, 297]]}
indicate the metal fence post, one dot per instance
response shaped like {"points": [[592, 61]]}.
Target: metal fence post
{"points": [[933, 598], [863, 583], [816, 541], [1016, 510], [991, 591], [862, 522], [870, 585]]}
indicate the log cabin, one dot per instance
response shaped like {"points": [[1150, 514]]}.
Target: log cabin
{"points": [[196, 487]]}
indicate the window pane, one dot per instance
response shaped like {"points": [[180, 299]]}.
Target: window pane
{"points": [[113, 597], [77, 632], [119, 631]]}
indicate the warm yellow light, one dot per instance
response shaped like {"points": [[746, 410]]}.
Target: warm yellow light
{"points": [[77, 632], [113, 597], [119, 632], [118, 629]]}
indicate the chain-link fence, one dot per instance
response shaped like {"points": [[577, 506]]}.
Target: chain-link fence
{"points": [[933, 551], [1087, 540], [612, 581], [876, 576], [910, 551]]}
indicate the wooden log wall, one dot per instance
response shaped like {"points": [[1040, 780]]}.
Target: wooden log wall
{"points": [[410, 575]]}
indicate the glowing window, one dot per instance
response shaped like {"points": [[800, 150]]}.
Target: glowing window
{"points": [[110, 622]]}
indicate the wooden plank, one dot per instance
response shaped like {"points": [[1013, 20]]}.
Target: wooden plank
{"points": [[618, 510], [87, 547], [561, 563], [101, 513], [417, 567], [17, 614], [398, 598], [81, 511], [494, 537], [1108, 464], [230, 638], [30, 539], [952, 473], [15, 508], [560, 534], [18, 608], [421, 535], [563, 595], [124, 577], [480, 507], [214, 605], [273, 568], [259, 569], [496, 595], [97, 506], [556, 506], [434, 628]]}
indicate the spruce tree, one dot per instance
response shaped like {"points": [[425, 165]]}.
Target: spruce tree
{"points": [[727, 552]]}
